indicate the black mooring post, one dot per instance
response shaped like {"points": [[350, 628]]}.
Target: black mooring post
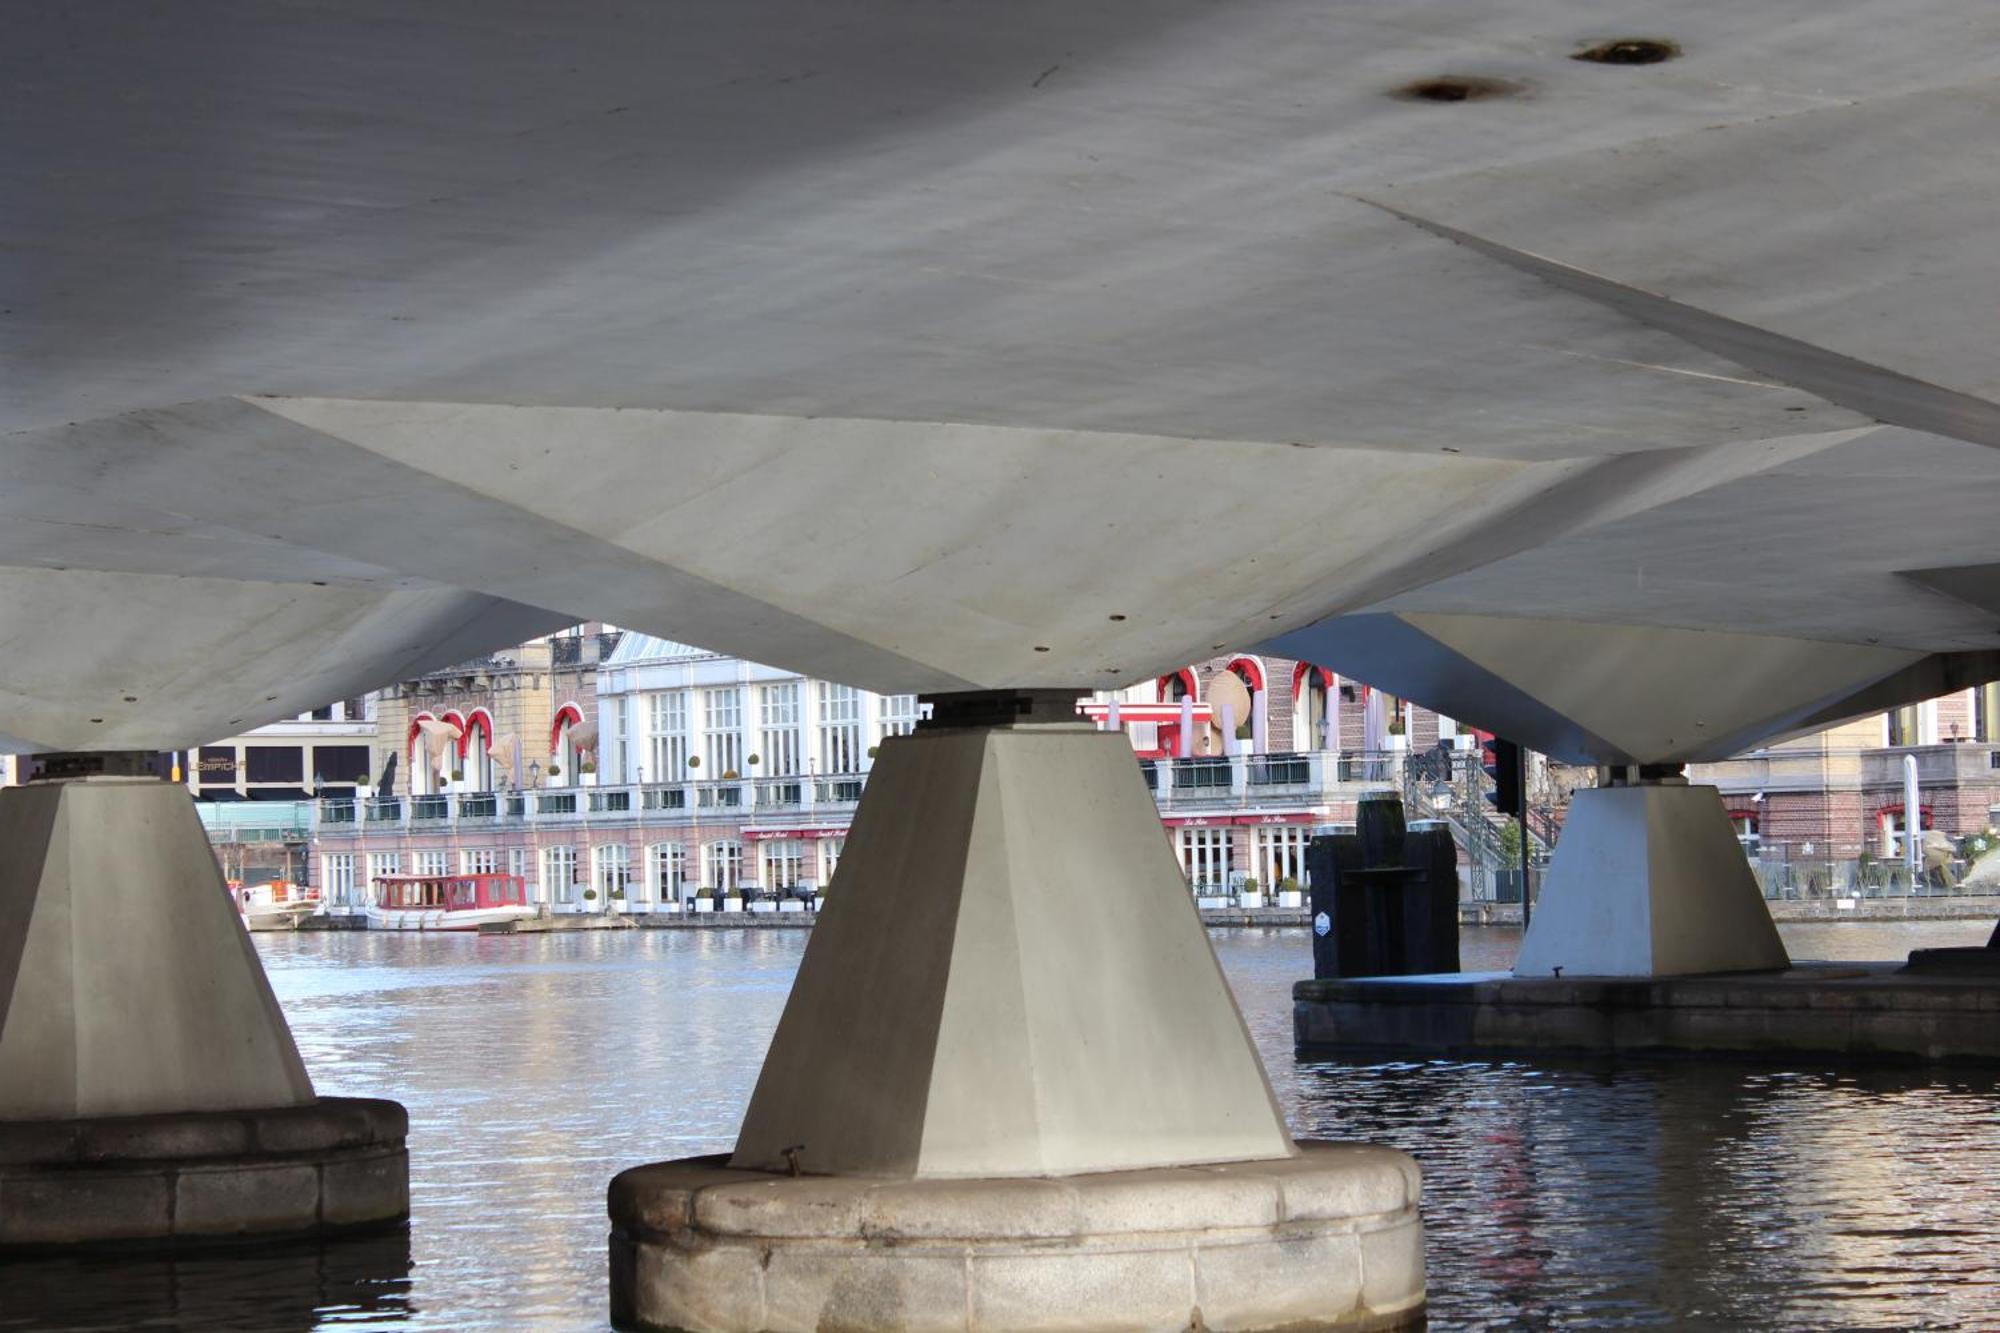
{"points": [[1521, 785]]}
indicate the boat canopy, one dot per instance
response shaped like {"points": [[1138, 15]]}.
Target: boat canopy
{"points": [[449, 893]]}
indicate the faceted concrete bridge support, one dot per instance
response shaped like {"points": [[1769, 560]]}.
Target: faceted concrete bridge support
{"points": [[1649, 881], [1011, 1089], [149, 1088]]}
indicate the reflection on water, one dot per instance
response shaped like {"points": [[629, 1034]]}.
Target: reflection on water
{"points": [[358, 1283], [1690, 1194]]}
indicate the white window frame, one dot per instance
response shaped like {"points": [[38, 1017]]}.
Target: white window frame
{"points": [[667, 718], [778, 708], [1279, 853], [722, 866], [1207, 855], [666, 871], [840, 729], [722, 730], [610, 868], [558, 877]]}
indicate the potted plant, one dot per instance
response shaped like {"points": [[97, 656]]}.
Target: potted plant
{"points": [[1290, 894], [617, 903], [589, 898], [704, 899], [586, 773], [730, 775], [555, 770], [732, 900], [694, 761], [1248, 895]]}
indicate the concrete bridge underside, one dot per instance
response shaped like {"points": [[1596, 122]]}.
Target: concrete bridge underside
{"points": [[1638, 411]]}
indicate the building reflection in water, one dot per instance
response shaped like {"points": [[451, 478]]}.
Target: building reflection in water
{"points": [[359, 1281], [1691, 1194]]}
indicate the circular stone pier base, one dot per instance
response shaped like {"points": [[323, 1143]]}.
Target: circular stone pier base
{"points": [[200, 1177], [1329, 1239]]}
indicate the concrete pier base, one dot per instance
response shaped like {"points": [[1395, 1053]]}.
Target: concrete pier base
{"points": [[1011, 1089], [1648, 880], [335, 1166], [150, 1090], [1329, 1239]]}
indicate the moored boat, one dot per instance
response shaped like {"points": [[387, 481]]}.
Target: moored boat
{"points": [[446, 902], [275, 904]]}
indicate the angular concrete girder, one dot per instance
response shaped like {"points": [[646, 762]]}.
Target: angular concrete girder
{"points": [[1611, 694]]}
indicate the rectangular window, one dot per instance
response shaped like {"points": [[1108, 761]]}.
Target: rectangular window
{"points": [[611, 872], [778, 718], [618, 752], [517, 862], [479, 861], [669, 731], [667, 867], [839, 728], [337, 879], [1281, 855], [383, 863], [829, 859], [339, 764], [784, 866], [216, 766], [276, 763], [722, 867], [559, 874], [722, 731], [899, 715], [432, 861], [1205, 858]]}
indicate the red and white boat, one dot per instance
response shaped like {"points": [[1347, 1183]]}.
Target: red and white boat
{"points": [[447, 902]]}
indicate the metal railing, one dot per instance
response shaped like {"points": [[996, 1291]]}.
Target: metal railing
{"points": [[793, 796]]}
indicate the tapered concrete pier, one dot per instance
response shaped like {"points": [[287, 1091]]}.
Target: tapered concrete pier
{"points": [[1011, 1089], [150, 1090]]}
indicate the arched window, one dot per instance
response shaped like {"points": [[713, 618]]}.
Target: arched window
{"points": [[1172, 689], [1256, 727], [475, 750], [417, 758], [1315, 714], [564, 752]]}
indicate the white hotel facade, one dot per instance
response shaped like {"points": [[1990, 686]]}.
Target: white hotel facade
{"points": [[712, 783]]}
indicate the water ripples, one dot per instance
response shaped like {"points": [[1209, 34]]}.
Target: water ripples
{"points": [[1689, 1194]]}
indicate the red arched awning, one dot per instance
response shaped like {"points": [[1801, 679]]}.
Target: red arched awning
{"points": [[569, 715]]}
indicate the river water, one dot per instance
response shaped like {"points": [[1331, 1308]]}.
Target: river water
{"points": [[1688, 1194]]}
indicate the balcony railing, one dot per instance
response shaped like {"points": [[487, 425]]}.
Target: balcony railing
{"points": [[1205, 783]]}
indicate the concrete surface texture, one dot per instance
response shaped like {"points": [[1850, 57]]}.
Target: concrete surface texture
{"points": [[903, 347], [128, 985], [1649, 880], [336, 1165], [1008, 978], [1329, 1239]]}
